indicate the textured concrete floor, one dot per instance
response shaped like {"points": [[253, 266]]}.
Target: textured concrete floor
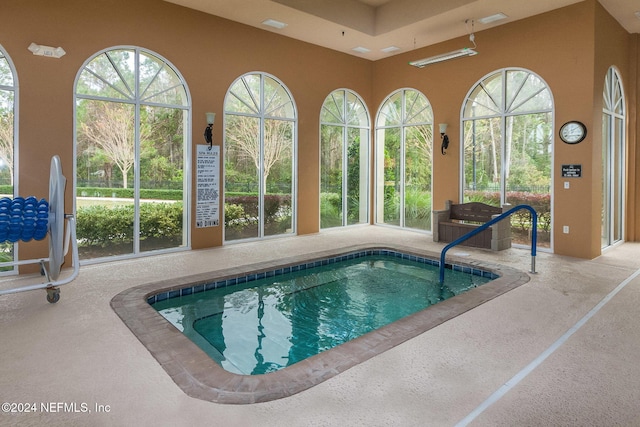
{"points": [[78, 360]]}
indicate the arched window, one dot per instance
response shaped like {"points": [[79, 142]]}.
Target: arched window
{"points": [[259, 158], [344, 160], [132, 149], [8, 142], [507, 122], [613, 147], [404, 149]]}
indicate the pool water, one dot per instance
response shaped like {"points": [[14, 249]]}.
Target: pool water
{"points": [[268, 324]]}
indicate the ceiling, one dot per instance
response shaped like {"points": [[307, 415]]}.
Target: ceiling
{"points": [[375, 25]]}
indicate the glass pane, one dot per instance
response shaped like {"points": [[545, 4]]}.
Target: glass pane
{"points": [[516, 79], [417, 182], [613, 142], [6, 142], [392, 175], [486, 98], [242, 181], [606, 93], [417, 108], [278, 177], [161, 178], [356, 111], [618, 180], [482, 161], [159, 84], [528, 149], [357, 176], [332, 109], [532, 95], [391, 111], [110, 75], [6, 75], [606, 179], [244, 96], [104, 197], [6, 152], [331, 176], [617, 98], [277, 102]]}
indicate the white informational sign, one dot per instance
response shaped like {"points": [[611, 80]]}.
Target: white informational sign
{"points": [[207, 186]]}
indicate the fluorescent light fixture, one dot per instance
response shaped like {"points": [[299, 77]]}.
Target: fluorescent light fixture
{"points": [[444, 57], [40, 50], [492, 18], [361, 49], [390, 49], [275, 24]]}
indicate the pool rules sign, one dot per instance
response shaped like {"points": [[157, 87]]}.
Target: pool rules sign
{"points": [[207, 186]]}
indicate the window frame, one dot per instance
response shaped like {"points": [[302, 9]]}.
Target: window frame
{"points": [[613, 159], [403, 125], [15, 88], [503, 115], [138, 102], [262, 116], [345, 126]]}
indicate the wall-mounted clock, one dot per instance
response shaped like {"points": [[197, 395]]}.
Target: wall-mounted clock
{"points": [[573, 132]]}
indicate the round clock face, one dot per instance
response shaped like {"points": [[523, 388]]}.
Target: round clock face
{"points": [[573, 132]]}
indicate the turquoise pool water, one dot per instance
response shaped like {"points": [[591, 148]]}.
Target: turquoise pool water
{"points": [[264, 322]]}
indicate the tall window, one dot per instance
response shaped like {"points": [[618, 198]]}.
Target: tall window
{"points": [[613, 141], [344, 160], [8, 141], [507, 122], [259, 158], [132, 150], [404, 148]]}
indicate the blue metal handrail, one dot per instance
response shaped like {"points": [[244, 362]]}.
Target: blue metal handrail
{"points": [[534, 236]]}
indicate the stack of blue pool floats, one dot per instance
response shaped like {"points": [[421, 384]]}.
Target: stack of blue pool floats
{"points": [[23, 219]]}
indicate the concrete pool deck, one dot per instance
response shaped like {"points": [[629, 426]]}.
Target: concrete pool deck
{"points": [[80, 364]]}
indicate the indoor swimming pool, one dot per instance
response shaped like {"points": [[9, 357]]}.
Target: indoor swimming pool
{"points": [[268, 330], [263, 323]]}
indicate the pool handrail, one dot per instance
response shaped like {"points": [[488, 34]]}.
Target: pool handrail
{"points": [[534, 236]]}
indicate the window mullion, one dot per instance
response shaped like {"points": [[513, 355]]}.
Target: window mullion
{"points": [[345, 173], [261, 179], [136, 158], [403, 159]]}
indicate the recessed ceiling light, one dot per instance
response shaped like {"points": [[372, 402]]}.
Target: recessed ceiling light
{"points": [[361, 49], [390, 49], [275, 24], [492, 18]]}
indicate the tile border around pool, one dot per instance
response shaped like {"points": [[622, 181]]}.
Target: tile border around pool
{"points": [[200, 377], [222, 283]]}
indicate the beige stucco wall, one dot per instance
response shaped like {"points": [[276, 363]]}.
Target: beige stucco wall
{"points": [[569, 48], [566, 48]]}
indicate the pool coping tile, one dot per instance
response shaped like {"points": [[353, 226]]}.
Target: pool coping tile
{"points": [[201, 377]]}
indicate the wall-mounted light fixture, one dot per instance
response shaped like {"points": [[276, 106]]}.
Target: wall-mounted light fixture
{"points": [[208, 131], [40, 50], [444, 137]]}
